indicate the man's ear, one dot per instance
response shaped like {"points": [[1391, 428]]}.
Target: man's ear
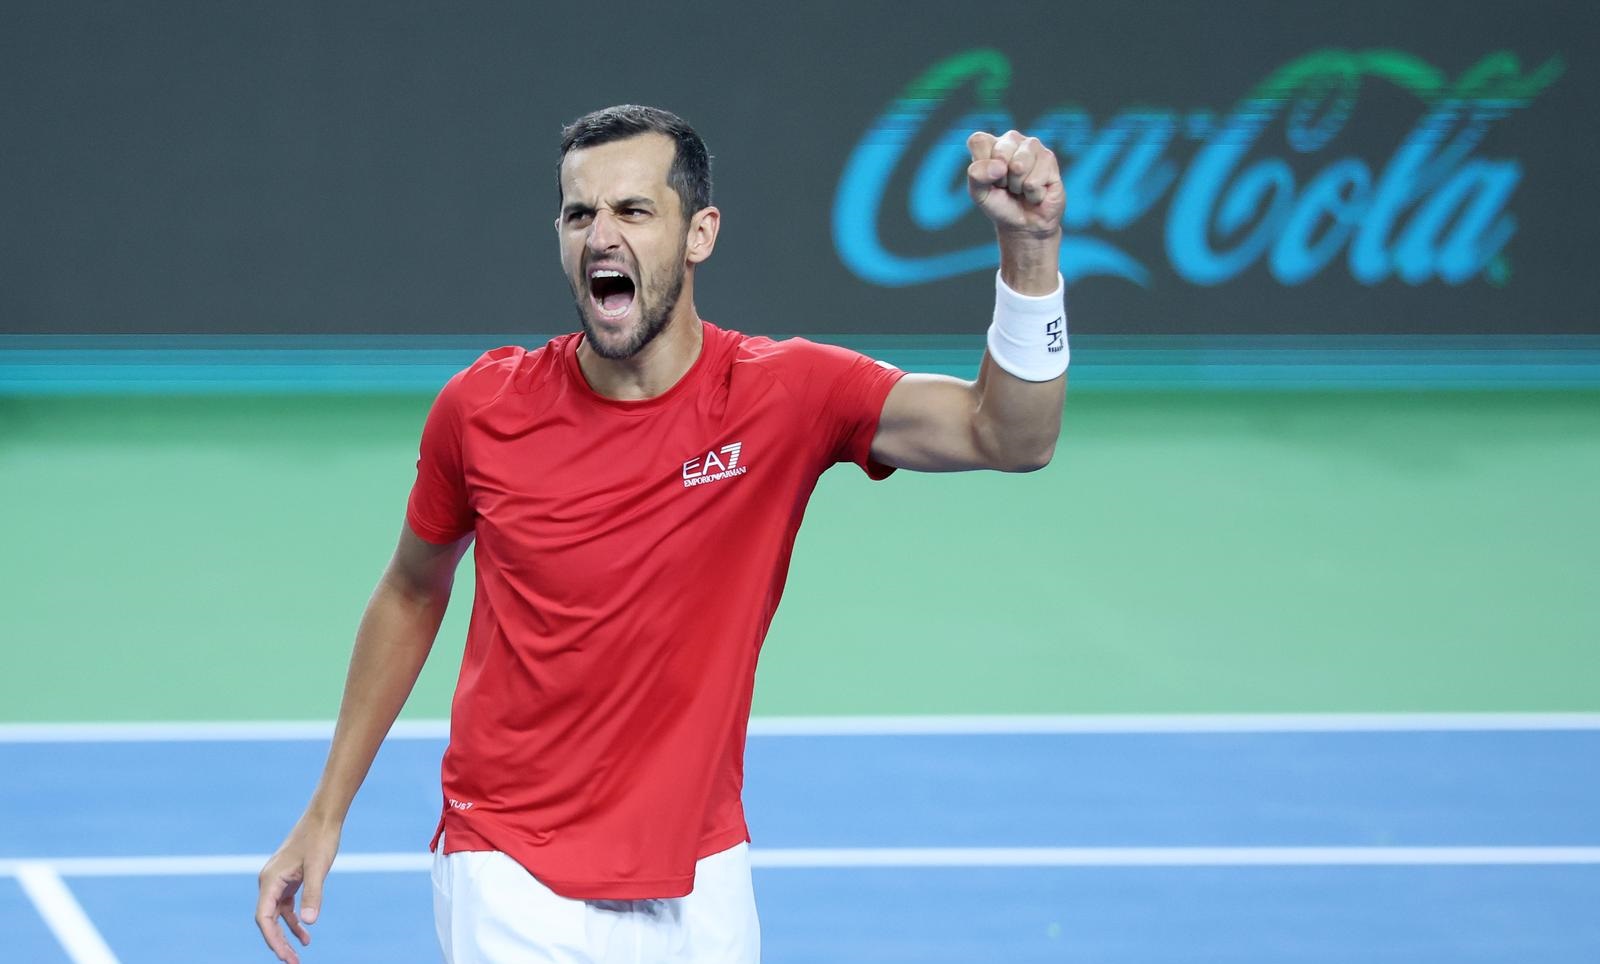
{"points": [[703, 226]]}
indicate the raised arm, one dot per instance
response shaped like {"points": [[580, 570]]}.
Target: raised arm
{"points": [[1010, 417], [392, 643]]}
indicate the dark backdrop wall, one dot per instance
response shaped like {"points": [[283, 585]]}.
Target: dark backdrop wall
{"points": [[386, 166]]}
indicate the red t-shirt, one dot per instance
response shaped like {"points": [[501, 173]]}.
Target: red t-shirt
{"points": [[629, 556]]}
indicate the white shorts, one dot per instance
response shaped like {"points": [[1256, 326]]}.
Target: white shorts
{"points": [[489, 910]]}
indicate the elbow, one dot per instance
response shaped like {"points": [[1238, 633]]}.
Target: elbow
{"points": [[1015, 452], [417, 591], [1027, 460]]}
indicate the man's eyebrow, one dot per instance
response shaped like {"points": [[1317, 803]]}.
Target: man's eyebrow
{"points": [[621, 204]]}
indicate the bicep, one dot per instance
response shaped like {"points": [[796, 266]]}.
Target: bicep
{"points": [[928, 425], [420, 567]]}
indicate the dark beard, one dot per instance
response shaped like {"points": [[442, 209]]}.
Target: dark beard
{"points": [[653, 318]]}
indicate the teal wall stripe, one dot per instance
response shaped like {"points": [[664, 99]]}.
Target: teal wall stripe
{"points": [[208, 364]]}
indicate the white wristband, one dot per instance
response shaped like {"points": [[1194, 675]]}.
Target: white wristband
{"points": [[1029, 335]]}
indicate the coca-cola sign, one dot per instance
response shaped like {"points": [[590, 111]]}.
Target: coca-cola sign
{"points": [[1269, 180], [1250, 169]]}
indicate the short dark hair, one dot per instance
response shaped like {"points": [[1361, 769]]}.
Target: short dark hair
{"points": [[690, 173]]}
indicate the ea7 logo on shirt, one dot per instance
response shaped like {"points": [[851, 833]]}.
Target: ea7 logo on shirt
{"points": [[714, 466]]}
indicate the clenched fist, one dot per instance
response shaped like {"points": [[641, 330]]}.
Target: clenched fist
{"points": [[1016, 182]]}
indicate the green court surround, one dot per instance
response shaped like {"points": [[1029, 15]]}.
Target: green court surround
{"points": [[208, 557]]}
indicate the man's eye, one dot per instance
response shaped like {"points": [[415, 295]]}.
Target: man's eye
{"points": [[578, 217], [634, 213]]}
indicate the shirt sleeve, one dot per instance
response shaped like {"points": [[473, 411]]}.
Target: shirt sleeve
{"points": [[438, 510], [847, 390]]}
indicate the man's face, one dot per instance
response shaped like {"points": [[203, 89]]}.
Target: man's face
{"points": [[623, 241]]}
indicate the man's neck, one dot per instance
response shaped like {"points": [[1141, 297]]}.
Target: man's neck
{"points": [[657, 367]]}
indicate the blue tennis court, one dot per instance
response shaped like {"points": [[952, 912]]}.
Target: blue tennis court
{"points": [[1168, 839]]}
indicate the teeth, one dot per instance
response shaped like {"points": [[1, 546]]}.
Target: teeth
{"points": [[606, 273]]}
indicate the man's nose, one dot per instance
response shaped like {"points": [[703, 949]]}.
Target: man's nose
{"points": [[603, 234]]}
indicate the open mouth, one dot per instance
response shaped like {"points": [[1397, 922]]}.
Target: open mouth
{"points": [[612, 291]]}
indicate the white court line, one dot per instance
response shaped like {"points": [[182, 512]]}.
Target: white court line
{"points": [[1166, 723], [890, 857], [1172, 856], [62, 912], [861, 726], [201, 731]]}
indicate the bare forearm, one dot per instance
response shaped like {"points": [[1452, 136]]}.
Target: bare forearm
{"points": [[397, 631], [935, 423], [1018, 421]]}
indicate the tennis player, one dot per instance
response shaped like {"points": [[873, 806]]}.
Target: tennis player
{"points": [[634, 490]]}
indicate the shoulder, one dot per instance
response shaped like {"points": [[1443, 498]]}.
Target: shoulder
{"points": [[509, 370], [820, 372], [798, 359], [787, 364]]}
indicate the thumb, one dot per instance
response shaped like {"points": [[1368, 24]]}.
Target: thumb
{"points": [[311, 894], [982, 177], [986, 171]]}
